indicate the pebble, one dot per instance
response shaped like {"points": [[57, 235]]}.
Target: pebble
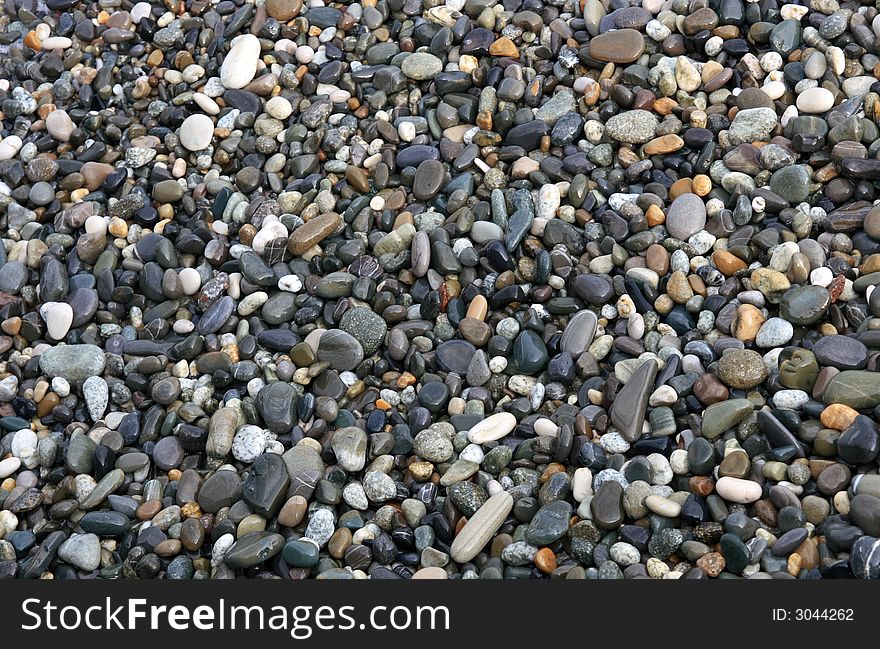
{"points": [[82, 551], [196, 132], [58, 317], [686, 216], [481, 527], [738, 490], [492, 428], [240, 64]]}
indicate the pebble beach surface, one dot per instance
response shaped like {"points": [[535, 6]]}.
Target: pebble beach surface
{"points": [[470, 289]]}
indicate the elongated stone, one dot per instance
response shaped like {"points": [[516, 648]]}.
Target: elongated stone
{"points": [[481, 527], [73, 362], [313, 232], [628, 409], [737, 490], [579, 332], [106, 486], [492, 428]]}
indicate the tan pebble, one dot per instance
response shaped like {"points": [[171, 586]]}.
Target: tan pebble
{"points": [[702, 184], [748, 321], [664, 144], [118, 227], [794, 564], [841, 502], [679, 187], [838, 416], [710, 69], [293, 511], [11, 326], [430, 573], [478, 308]]}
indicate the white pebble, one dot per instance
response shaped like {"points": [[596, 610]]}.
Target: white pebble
{"points": [[58, 317], [290, 283], [60, 386], [822, 276], [190, 281], [279, 107]]}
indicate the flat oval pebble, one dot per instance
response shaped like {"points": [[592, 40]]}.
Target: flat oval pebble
{"points": [[815, 100], [737, 490], [240, 65]]}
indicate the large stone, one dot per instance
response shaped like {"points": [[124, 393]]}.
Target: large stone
{"points": [[240, 64], [579, 332], [265, 488], [340, 349], [752, 124], [549, 523], [73, 362], [82, 551], [253, 549], [492, 428], [617, 46], [196, 132], [632, 127], [277, 405], [859, 389], [742, 369]]}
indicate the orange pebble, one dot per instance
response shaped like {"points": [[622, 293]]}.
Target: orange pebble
{"points": [[504, 47], [727, 263], [32, 40], [381, 404], [405, 380], [478, 308], [545, 560], [664, 144], [655, 215], [838, 416], [681, 186], [664, 106]]}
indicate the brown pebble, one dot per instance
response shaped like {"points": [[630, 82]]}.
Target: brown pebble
{"points": [[146, 511], [293, 511]]}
